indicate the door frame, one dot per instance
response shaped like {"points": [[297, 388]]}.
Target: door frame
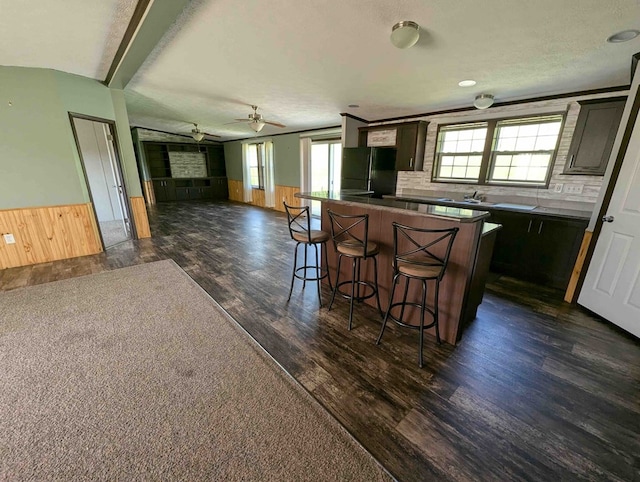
{"points": [[606, 200], [114, 133]]}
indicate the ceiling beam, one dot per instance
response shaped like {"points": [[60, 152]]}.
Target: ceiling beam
{"points": [[149, 22]]}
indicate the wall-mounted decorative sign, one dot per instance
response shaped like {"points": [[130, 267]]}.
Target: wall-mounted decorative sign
{"points": [[382, 138]]}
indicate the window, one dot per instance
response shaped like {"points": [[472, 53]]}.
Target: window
{"points": [[460, 151], [256, 156], [520, 152]]}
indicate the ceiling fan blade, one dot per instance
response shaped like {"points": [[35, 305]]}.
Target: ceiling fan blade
{"points": [[210, 135], [242, 120], [277, 124]]}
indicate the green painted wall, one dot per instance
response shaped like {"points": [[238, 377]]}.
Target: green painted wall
{"points": [[39, 162], [286, 154], [233, 160]]}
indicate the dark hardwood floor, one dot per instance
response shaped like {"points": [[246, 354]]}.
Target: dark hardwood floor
{"points": [[536, 389]]}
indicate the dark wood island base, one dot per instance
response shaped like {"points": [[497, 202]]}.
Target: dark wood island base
{"points": [[463, 284]]}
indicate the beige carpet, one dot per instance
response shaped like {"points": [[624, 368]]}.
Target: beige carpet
{"points": [[137, 374]]}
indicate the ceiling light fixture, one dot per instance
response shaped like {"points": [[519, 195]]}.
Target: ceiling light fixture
{"points": [[405, 34], [623, 36], [256, 125], [467, 83], [197, 134], [483, 101]]}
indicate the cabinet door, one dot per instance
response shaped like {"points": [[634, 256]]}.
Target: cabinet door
{"points": [[182, 193], [206, 192], [593, 138], [557, 244], [170, 190], [159, 191], [406, 156], [220, 188], [512, 250]]}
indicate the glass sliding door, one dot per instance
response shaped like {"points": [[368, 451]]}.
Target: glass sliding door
{"points": [[325, 169]]}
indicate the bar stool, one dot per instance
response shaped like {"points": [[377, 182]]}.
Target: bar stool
{"points": [[350, 234], [300, 230], [415, 259]]}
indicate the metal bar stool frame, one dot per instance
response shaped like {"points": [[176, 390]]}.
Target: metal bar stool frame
{"points": [[419, 256], [299, 222], [342, 234]]}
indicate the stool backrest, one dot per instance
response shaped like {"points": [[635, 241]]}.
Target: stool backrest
{"points": [[299, 221], [418, 246], [349, 230]]}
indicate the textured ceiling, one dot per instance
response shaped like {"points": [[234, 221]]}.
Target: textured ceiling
{"points": [[77, 36], [303, 61]]}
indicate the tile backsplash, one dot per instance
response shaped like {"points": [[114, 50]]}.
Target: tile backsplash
{"points": [[419, 182]]}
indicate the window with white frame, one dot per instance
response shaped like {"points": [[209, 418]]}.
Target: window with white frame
{"points": [[255, 157], [521, 151]]}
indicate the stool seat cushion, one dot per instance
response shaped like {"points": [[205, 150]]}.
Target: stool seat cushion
{"points": [[316, 236], [353, 248], [418, 270]]}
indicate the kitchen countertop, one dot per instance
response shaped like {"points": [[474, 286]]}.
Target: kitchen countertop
{"points": [[510, 207], [461, 214]]}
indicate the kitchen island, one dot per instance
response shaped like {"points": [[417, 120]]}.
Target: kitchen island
{"points": [[463, 284]]}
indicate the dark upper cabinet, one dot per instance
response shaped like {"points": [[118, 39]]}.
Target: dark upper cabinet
{"points": [[408, 138], [593, 137]]}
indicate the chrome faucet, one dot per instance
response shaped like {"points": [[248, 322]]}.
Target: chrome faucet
{"points": [[474, 197]]}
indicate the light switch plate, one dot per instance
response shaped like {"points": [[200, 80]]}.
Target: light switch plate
{"points": [[9, 239], [558, 187]]}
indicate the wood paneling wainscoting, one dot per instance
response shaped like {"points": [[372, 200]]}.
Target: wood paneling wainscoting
{"points": [[282, 193], [235, 190], [286, 194], [149, 193], [140, 218], [48, 233], [257, 197]]}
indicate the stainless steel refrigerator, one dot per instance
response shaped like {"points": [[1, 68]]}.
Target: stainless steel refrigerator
{"points": [[369, 169]]}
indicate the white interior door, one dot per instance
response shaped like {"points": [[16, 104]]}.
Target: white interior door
{"points": [[612, 284]]}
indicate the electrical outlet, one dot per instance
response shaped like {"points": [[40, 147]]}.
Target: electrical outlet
{"points": [[558, 187], [9, 239], [573, 188]]}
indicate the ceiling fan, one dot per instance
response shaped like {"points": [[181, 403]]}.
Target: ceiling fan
{"points": [[256, 122], [199, 135]]}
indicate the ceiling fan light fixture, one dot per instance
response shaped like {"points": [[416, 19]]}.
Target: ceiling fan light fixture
{"points": [[405, 34], [197, 136], [256, 125], [483, 101]]}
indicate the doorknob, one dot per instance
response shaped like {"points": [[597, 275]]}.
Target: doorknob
{"points": [[607, 219]]}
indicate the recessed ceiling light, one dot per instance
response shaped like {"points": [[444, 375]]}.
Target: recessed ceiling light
{"points": [[354, 106], [623, 36], [467, 83]]}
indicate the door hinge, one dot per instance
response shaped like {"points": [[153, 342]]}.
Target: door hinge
{"points": [[109, 137]]}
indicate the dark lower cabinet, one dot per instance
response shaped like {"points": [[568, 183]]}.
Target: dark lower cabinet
{"points": [[537, 248], [167, 190], [164, 190]]}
